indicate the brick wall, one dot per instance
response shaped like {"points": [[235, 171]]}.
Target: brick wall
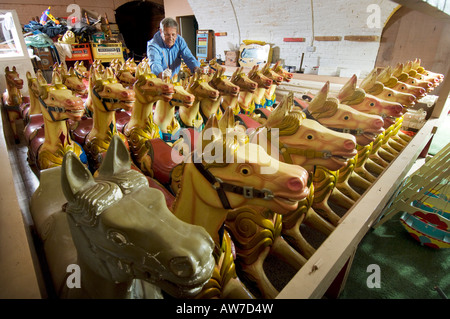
{"points": [[274, 20]]}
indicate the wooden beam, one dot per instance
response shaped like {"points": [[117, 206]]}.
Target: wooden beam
{"points": [[328, 38], [362, 38]]}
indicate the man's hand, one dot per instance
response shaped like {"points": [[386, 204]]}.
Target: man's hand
{"points": [[167, 73]]}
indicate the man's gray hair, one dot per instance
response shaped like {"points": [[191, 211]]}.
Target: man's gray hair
{"points": [[168, 23]]}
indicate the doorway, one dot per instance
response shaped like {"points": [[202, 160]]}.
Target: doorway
{"points": [[138, 21], [188, 27]]}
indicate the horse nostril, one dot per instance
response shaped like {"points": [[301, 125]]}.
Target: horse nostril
{"points": [[412, 98], [349, 144], [182, 267], [295, 184], [378, 123]]}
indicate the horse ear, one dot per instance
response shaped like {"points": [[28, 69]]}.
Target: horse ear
{"points": [[74, 176], [14, 68], [370, 80], [117, 158], [348, 88], [40, 77], [319, 100], [281, 110], [29, 76], [227, 120]]}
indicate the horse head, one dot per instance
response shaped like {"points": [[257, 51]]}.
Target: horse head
{"points": [[12, 78], [221, 83], [287, 76], [109, 92], [256, 75], [373, 86], [402, 75], [73, 81], [181, 97], [57, 102], [242, 173], [123, 230], [242, 80], [201, 89], [125, 75], [271, 74], [306, 142], [149, 88], [342, 118], [81, 69], [358, 99]]}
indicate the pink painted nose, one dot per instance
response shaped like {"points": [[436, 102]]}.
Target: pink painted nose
{"points": [[269, 82], [377, 123], [127, 94], [396, 108], [280, 78], [349, 145], [412, 98], [253, 85], [74, 102], [295, 184]]}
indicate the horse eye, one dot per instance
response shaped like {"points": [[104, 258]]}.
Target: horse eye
{"points": [[346, 117], [309, 137], [245, 171], [389, 94], [403, 88], [372, 104], [117, 238]]}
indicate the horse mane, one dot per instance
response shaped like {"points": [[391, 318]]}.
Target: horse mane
{"points": [[89, 203]]}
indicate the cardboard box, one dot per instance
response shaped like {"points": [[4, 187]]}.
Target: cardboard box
{"points": [[231, 58]]}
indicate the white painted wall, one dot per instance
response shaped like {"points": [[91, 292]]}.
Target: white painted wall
{"points": [[274, 20]]}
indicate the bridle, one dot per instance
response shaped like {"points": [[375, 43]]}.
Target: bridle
{"points": [[287, 151], [356, 132], [222, 187]]}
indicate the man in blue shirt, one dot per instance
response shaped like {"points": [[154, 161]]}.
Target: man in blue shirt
{"points": [[166, 50]]}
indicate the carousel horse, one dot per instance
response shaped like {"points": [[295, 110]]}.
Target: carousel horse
{"points": [[287, 76], [148, 89], [372, 86], [72, 80], [256, 233], [269, 94], [33, 89], [12, 99], [118, 230], [81, 70], [401, 72], [366, 169], [107, 96], [164, 112], [202, 90], [224, 173], [433, 78], [49, 144], [223, 85], [125, 75], [421, 70], [309, 144], [264, 84], [341, 118], [132, 65], [240, 103]]}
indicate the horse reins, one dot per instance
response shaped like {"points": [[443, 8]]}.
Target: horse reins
{"points": [[51, 109]]}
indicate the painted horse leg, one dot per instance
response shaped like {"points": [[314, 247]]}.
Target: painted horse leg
{"points": [[256, 274], [283, 251]]}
